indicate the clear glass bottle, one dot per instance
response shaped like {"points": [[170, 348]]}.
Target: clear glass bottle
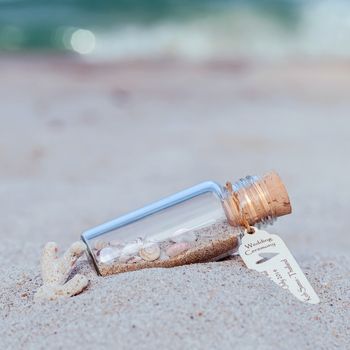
{"points": [[202, 223]]}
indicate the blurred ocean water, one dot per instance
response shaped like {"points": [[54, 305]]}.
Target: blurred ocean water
{"points": [[192, 29]]}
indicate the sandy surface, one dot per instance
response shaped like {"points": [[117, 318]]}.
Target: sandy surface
{"points": [[80, 144]]}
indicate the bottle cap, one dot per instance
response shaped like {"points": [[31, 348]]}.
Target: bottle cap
{"points": [[256, 199]]}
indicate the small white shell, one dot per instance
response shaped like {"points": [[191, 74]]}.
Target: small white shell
{"points": [[150, 252], [177, 249], [108, 254], [132, 248]]}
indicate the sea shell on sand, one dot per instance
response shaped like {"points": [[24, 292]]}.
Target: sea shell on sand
{"points": [[177, 249], [108, 254], [150, 252], [184, 235]]}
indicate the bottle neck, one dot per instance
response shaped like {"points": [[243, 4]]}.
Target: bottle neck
{"points": [[249, 202]]}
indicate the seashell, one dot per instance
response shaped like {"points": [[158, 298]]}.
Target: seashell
{"points": [[108, 254], [183, 235], [177, 249], [100, 244], [132, 248], [150, 252]]}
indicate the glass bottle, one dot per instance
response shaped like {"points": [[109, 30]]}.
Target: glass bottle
{"points": [[202, 223]]}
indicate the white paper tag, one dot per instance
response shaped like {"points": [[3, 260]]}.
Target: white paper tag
{"points": [[268, 254]]}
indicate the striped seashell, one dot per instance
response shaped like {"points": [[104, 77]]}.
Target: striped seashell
{"points": [[150, 252]]}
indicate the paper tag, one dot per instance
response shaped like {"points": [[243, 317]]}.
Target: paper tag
{"points": [[268, 254]]}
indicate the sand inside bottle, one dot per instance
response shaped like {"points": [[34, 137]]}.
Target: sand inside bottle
{"points": [[204, 244]]}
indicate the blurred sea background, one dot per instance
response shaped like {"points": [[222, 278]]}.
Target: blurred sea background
{"points": [[179, 29], [109, 105]]}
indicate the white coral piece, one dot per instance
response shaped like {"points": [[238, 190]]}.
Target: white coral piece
{"points": [[55, 272]]}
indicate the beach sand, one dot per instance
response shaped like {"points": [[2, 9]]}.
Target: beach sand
{"points": [[83, 143]]}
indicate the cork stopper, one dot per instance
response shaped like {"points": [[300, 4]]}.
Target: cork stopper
{"points": [[279, 199], [254, 200]]}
